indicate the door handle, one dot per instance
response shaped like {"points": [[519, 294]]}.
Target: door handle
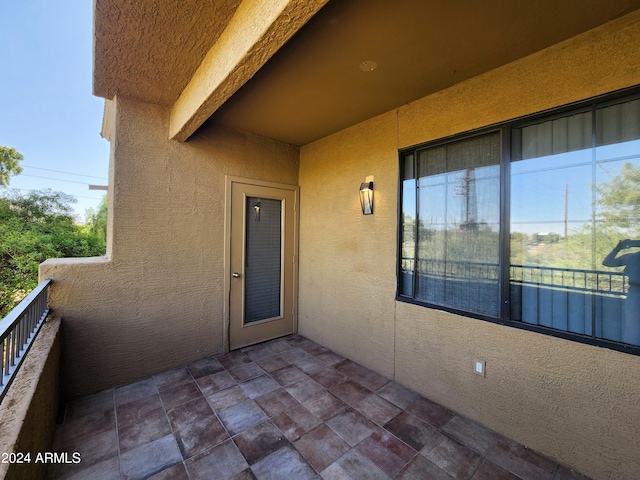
{"points": [[236, 275]]}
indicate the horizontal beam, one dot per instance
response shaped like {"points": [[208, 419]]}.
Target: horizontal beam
{"points": [[258, 29]]}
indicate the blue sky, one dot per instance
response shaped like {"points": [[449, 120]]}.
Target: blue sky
{"points": [[47, 110]]}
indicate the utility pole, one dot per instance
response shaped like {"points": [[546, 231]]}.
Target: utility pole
{"points": [[566, 210]]}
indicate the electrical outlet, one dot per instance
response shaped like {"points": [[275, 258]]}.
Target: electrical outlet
{"points": [[479, 367]]}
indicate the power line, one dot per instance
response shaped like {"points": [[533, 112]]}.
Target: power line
{"points": [[66, 173], [75, 196], [55, 179]]}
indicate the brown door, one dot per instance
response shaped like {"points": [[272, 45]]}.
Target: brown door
{"points": [[262, 246]]}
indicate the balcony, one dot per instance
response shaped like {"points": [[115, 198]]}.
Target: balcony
{"points": [[287, 408], [588, 303]]}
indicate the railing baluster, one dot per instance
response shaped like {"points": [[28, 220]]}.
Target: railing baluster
{"points": [[18, 330]]}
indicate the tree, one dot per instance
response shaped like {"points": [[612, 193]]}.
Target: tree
{"points": [[619, 200], [97, 220], [9, 164], [34, 227]]}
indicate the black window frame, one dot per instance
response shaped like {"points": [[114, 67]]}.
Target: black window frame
{"points": [[505, 129]]}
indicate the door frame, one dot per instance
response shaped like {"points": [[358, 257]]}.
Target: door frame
{"points": [[230, 180]]}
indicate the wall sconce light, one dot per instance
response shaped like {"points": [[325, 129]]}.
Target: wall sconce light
{"points": [[366, 196]]}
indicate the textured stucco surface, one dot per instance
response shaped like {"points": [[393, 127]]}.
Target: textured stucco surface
{"points": [[28, 412], [256, 31], [151, 49], [156, 301], [573, 402]]}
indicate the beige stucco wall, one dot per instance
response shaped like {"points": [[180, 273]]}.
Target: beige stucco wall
{"points": [[156, 301], [573, 402], [29, 410]]}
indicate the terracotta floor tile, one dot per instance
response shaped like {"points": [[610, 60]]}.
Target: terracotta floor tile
{"points": [[475, 436], [196, 428], [246, 371], [386, 451], [171, 378], [325, 405], [272, 364], [490, 471], [294, 355], [215, 382], [310, 365], [227, 398], [222, 462], [233, 359], [259, 386], [330, 358], [430, 412], [296, 422], [454, 458], [135, 391], [362, 375], [288, 375], [304, 389], [328, 377], [204, 367], [377, 409], [518, 459], [258, 352], [352, 426], [150, 428], [150, 458], [96, 403], [422, 469], [174, 396], [260, 441], [286, 463], [279, 345], [411, 430], [312, 348], [174, 472], [93, 450], [242, 417], [564, 473], [276, 402], [321, 447], [108, 469], [350, 392], [353, 465], [87, 426], [398, 394], [138, 409]]}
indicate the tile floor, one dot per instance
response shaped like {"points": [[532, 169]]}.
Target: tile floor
{"points": [[286, 409]]}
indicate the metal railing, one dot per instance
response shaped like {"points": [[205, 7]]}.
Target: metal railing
{"points": [[595, 281], [18, 330]]}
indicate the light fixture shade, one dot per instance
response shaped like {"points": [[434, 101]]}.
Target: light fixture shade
{"points": [[366, 198]]}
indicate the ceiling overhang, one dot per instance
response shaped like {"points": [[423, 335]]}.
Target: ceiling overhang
{"points": [[292, 69]]}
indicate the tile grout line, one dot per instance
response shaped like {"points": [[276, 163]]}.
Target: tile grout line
{"points": [[115, 414]]}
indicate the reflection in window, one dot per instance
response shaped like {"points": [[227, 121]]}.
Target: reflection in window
{"points": [[572, 201], [454, 248], [561, 253]]}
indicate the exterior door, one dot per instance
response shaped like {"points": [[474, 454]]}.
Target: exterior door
{"points": [[262, 264]]}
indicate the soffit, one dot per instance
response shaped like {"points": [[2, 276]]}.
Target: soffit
{"points": [[150, 49], [314, 87]]}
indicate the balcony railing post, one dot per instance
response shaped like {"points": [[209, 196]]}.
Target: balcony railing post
{"points": [[18, 330]]}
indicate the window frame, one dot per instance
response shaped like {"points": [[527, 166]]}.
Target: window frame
{"points": [[505, 130]]}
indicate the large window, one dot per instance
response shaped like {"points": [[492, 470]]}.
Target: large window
{"points": [[531, 224]]}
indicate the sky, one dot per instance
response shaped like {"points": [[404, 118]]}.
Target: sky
{"points": [[47, 110]]}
